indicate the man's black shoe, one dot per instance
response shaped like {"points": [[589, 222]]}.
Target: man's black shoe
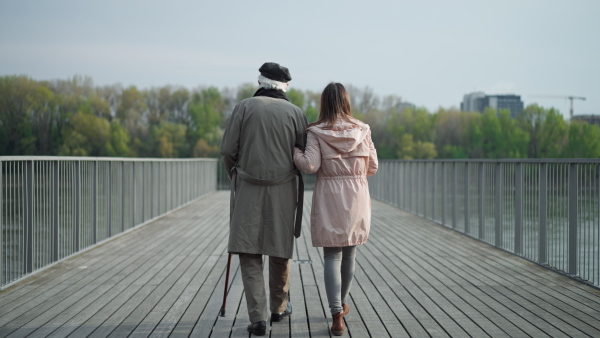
{"points": [[258, 328], [276, 317]]}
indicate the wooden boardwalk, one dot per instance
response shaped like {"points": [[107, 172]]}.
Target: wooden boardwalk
{"points": [[413, 279]]}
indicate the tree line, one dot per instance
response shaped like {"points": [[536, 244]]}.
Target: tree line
{"points": [[75, 118]]}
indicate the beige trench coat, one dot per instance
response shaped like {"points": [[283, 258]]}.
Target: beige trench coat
{"points": [[343, 158], [259, 139]]}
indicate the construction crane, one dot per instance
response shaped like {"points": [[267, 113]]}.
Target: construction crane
{"points": [[570, 98]]}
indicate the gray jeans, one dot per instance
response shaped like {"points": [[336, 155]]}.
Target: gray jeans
{"points": [[339, 271]]}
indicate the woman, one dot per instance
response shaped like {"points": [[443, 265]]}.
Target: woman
{"points": [[339, 149]]}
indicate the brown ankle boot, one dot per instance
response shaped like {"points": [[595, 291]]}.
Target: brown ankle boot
{"points": [[346, 309], [338, 324]]}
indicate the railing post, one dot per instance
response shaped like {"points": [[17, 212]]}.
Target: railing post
{"points": [[382, 189], [389, 185], [159, 188], [95, 203], [519, 208], [433, 191], [77, 205], [1, 222], [143, 197], [410, 182], [543, 214], [481, 200], [572, 247], [123, 187], [28, 249], [454, 195], [405, 183], [110, 192], [166, 186], [395, 184], [55, 195], [418, 188], [423, 180], [467, 186], [498, 205], [152, 191], [444, 189], [134, 206]]}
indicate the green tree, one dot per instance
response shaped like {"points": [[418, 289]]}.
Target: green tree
{"points": [[516, 140], [170, 140], [245, 91], [548, 131], [584, 141], [118, 146], [312, 101], [454, 131], [494, 142], [86, 135], [16, 134], [296, 97], [203, 149], [41, 111], [177, 107], [206, 112], [130, 113]]}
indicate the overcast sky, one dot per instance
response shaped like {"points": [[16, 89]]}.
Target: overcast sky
{"points": [[430, 53]]}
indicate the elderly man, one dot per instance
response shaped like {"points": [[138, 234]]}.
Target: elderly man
{"points": [[257, 150]]}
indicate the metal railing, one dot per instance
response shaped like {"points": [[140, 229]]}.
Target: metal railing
{"points": [[546, 211], [54, 207]]}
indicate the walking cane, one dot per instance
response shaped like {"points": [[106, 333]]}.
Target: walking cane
{"points": [[222, 314], [231, 204]]}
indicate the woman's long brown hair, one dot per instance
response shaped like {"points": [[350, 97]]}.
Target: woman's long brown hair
{"points": [[335, 103]]}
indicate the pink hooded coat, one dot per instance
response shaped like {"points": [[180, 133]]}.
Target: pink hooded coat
{"points": [[343, 157]]}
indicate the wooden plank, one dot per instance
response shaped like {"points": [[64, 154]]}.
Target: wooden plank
{"points": [[299, 319], [132, 317], [532, 325], [211, 299], [240, 324], [41, 305], [64, 273], [413, 278], [315, 298], [134, 277], [423, 258], [94, 257], [376, 293], [60, 271], [130, 297], [427, 279], [139, 290], [223, 325], [507, 278], [169, 308]]}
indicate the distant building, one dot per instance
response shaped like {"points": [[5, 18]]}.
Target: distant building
{"points": [[591, 119], [478, 101], [473, 102]]}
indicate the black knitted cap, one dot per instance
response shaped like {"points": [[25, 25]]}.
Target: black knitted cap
{"points": [[274, 71]]}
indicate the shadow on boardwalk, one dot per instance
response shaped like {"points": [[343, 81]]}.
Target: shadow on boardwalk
{"points": [[413, 278]]}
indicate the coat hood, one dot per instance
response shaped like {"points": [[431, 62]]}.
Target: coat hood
{"points": [[344, 139]]}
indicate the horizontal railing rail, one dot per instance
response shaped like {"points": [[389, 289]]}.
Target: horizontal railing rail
{"points": [[546, 211], [54, 207]]}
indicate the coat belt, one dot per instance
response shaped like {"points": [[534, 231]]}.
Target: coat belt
{"points": [[237, 172]]}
